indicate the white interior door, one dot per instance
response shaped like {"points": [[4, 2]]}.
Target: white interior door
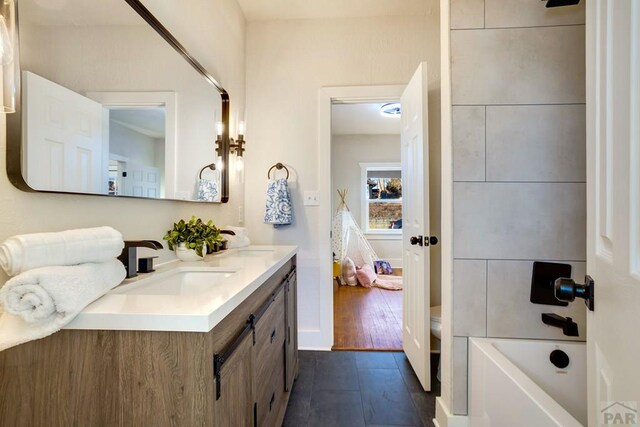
{"points": [[63, 139], [613, 209], [141, 181], [414, 138]]}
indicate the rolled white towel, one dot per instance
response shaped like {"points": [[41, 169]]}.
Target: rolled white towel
{"points": [[47, 292], [27, 251], [240, 231], [234, 242]]}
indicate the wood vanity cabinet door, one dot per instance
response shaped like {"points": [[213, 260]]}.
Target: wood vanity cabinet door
{"points": [[291, 343], [235, 405], [269, 360]]}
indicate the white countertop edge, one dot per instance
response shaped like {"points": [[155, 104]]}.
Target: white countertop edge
{"points": [[196, 322]]}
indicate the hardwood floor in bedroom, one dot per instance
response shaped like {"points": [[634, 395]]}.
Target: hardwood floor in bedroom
{"points": [[367, 319]]}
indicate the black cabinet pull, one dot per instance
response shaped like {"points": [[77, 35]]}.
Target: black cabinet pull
{"points": [[255, 414], [273, 398], [273, 335]]}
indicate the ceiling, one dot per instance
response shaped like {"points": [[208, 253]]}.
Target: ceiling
{"points": [[77, 13], [149, 121], [257, 10], [362, 119]]}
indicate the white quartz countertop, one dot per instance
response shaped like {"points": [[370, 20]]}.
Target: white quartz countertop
{"points": [[153, 302]]}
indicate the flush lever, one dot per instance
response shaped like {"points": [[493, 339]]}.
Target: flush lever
{"points": [[566, 289]]}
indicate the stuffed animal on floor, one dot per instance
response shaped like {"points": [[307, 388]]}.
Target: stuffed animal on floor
{"points": [[349, 272]]}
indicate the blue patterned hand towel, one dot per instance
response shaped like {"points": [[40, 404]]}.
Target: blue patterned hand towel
{"points": [[279, 210], [207, 191]]}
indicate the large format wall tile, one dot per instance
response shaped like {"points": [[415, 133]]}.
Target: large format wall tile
{"points": [[460, 367], [468, 143], [510, 314], [467, 14], [527, 13], [536, 143], [470, 298], [518, 66], [519, 221]]}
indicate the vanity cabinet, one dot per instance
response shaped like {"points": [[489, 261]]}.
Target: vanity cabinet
{"points": [[147, 378], [234, 407], [291, 342]]}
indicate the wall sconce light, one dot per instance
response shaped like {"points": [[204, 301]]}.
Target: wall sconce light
{"points": [[229, 146], [238, 144], [9, 55]]}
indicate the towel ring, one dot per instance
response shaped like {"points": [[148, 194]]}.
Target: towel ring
{"points": [[278, 166], [212, 166]]}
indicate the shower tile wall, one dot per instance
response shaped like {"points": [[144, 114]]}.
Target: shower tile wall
{"points": [[518, 93]]}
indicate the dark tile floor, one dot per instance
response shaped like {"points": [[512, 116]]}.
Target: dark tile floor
{"points": [[350, 389]]}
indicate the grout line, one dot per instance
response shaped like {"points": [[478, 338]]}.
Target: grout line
{"points": [[528, 104], [517, 28], [485, 143], [486, 298], [522, 182], [520, 259], [484, 14]]}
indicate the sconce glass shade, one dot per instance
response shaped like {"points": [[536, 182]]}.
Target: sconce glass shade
{"points": [[9, 55]]}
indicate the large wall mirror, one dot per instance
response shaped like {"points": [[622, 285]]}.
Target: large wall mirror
{"points": [[112, 104]]}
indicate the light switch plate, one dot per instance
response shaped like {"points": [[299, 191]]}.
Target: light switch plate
{"points": [[312, 198]]}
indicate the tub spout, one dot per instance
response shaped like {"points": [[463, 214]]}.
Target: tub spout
{"points": [[569, 327]]}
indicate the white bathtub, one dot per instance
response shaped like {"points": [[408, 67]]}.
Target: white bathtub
{"points": [[513, 383]]}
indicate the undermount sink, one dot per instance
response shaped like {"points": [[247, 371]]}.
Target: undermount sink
{"points": [[183, 281]]}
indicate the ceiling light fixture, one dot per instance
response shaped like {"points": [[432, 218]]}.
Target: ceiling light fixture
{"points": [[391, 109]]}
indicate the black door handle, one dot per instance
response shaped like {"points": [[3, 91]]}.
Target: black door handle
{"points": [[433, 240], [416, 240]]}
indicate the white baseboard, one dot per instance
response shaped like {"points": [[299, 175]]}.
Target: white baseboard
{"points": [[444, 417], [312, 340]]}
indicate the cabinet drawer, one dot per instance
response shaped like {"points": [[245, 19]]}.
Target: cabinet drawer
{"points": [[270, 392], [270, 335]]}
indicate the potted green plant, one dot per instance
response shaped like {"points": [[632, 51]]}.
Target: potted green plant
{"points": [[191, 239]]}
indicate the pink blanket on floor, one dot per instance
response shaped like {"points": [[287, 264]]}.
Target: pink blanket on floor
{"points": [[392, 283]]}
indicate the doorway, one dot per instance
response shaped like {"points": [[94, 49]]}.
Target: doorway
{"points": [[415, 212], [366, 177]]}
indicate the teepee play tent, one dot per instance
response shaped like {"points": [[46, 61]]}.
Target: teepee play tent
{"points": [[347, 239]]}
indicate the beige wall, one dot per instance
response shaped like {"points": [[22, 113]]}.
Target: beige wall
{"points": [[347, 152], [215, 33], [518, 127], [288, 61]]}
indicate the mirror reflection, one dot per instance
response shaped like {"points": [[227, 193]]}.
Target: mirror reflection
{"points": [[109, 107]]}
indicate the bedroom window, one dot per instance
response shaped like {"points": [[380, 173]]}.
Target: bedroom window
{"points": [[381, 185]]}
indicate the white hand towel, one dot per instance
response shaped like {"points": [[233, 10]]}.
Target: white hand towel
{"points": [[241, 238], [39, 302], [27, 251], [240, 231], [234, 242]]}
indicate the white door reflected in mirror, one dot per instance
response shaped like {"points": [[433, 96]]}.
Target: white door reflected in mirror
{"points": [[109, 107]]}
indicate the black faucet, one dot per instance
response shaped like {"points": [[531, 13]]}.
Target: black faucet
{"points": [[129, 255], [569, 327]]}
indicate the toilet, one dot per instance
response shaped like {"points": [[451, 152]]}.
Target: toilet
{"points": [[436, 328], [436, 322]]}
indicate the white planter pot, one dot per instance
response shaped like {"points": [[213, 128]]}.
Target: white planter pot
{"points": [[185, 254]]}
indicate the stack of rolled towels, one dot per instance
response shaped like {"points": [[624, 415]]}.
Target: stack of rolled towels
{"points": [[55, 276], [240, 239]]}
